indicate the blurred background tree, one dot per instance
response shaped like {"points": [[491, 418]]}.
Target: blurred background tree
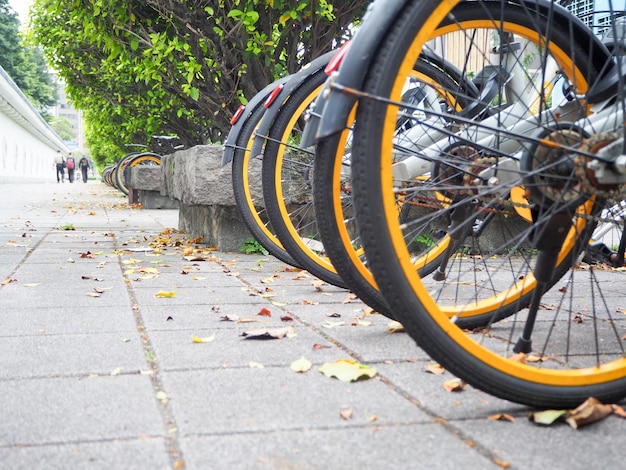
{"points": [[24, 62], [143, 67]]}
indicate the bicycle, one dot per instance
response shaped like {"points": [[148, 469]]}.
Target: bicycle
{"points": [[164, 143], [559, 175]]}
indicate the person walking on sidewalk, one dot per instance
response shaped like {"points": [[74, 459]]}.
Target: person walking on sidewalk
{"points": [[70, 164], [84, 166], [59, 163]]}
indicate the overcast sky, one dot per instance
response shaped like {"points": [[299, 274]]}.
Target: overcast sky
{"points": [[21, 8]]}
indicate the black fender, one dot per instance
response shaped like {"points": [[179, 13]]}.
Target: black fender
{"points": [[380, 16], [256, 101], [336, 106], [294, 82]]}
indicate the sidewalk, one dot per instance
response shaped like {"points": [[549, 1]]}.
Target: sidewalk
{"points": [[97, 372]]}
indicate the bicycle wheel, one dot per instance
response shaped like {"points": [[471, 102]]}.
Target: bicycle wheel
{"points": [[332, 190], [129, 161], [246, 171], [288, 183], [523, 173]]}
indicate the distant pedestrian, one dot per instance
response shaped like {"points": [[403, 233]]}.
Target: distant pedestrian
{"points": [[59, 163], [84, 166], [70, 164]]}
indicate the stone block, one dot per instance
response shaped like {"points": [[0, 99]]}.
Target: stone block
{"points": [[219, 226], [146, 177], [144, 187], [196, 179]]}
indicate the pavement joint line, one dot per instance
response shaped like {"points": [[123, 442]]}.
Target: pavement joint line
{"points": [[29, 252], [78, 442], [445, 424], [453, 430], [171, 428], [308, 325]]}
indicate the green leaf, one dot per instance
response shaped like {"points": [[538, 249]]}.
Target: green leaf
{"points": [[546, 417], [347, 370]]}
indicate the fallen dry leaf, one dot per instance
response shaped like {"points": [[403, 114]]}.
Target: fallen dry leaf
{"points": [[318, 285], [501, 417], [269, 333], [435, 369], [208, 339], [286, 318], [519, 357], [333, 324], [301, 365], [395, 327], [8, 281], [229, 318], [265, 312], [188, 251], [93, 294], [619, 411], [164, 294], [590, 411], [454, 385], [346, 414]]}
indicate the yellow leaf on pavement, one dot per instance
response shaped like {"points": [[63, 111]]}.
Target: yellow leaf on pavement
{"points": [[208, 339], [301, 365], [395, 327], [164, 294], [347, 370]]}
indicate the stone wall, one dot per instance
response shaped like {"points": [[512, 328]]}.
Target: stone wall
{"points": [[203, 188]]}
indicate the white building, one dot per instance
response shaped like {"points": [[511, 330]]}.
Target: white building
{"points": [[27, 143]]}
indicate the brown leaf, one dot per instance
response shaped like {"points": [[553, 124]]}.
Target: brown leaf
{"points": [[501, 463], [320, 346], [318, 285], [435, 369], [264, 312], [590, 411], [286, 318], [619, 411], [532, 358], [519, 357], [501, 417], [346, 414], [8, 281], [454, 385], [188, 251]]}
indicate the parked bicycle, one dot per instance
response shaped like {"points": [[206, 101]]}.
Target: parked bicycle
{"points": [[538, 167]]}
